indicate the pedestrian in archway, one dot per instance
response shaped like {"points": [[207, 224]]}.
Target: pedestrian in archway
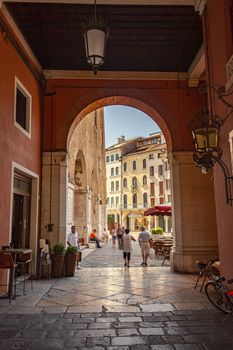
{"points": [[144, 238], [127, 246], [94, 238]]}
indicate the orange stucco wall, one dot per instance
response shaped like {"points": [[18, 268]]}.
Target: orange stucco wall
{"points": [[220, 50], [170, 104], [14, 145]]}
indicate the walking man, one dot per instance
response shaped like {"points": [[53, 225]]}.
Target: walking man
{"points": [[144, 238]]}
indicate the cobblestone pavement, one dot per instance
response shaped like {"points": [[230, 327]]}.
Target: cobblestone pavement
{"points": [[144, 308]]}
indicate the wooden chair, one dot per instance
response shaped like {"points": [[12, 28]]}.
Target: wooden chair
{"points": [[7, 263], [23, 262], [158, 248], [166, 252]]}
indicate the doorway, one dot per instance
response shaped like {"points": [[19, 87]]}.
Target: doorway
{"points": [[20, 237]]}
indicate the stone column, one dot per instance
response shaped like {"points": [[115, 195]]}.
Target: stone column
{"points": [[80, 219], [193, 214], [54, 196]]}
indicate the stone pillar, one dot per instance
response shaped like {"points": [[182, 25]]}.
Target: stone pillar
{"points": [[54, 196], [193, 214], [80, 218]]}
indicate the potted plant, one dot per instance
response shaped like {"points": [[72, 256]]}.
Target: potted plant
{"points": [[58, 259], [70, 260], [157, 231]]}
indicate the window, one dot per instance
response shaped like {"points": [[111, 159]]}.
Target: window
{"points": [[161, 200], [117, 202], [152, 189], [112, 158], [160, 188], [107, 159], [158, 155], [125, 182], [145, 200], [134, 181], [166, 166], [22, 111], [169, 199], [168, 184], [152, 171], [112, 171], [117, 185], [117, 156], [134, 165], [117, 170], [135, 201], [151, 156], [112, 186], [125, 166], [152, 202], [160, 170], [154, 140], [112, 202], [144, 180], [144, 163], [125, 200]]}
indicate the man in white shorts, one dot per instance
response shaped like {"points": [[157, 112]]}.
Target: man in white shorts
{"points": [[144, 238], [72, 240]]}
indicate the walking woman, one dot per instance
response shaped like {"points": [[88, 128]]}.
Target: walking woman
{"points": [[127, 246]]}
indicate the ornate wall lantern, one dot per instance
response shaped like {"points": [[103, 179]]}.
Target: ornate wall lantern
{"points": [[205, 129], [95, 33]]}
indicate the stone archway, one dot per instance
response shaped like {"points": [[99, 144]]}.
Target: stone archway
{"points": [[194, 223]]}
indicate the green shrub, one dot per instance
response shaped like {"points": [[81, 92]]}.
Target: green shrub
{"points": [[71, 250], [59, 249], [157, 231]]}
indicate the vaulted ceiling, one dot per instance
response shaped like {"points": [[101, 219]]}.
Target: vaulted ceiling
{"points": [[154, 38]]}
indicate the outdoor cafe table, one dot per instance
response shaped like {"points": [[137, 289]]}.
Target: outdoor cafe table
{"points": [[14, 252]]}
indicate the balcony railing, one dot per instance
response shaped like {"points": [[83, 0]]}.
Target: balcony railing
{"points": [[134, 188]]}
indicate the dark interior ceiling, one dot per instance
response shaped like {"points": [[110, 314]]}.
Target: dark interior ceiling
{"points": [[142, 38]]}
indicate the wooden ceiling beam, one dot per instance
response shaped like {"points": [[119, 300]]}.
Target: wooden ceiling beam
{"points": [[112, 2]]}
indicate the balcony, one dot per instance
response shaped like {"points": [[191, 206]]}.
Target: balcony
{"points": [[134, 188]]}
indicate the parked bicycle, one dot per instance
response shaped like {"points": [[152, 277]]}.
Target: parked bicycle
{"points": [[220, 294]]}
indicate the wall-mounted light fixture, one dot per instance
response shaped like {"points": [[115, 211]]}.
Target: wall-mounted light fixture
{"points": [[205, 129], [95, 32]]}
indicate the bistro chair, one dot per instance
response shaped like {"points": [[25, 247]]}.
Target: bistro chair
{"points": [[7, 263], [166, 252], [23, 262]]}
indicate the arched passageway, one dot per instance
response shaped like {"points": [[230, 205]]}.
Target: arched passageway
{"points": [[170, 106]]}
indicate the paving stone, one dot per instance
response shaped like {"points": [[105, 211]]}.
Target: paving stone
{"points": [[162, 347], [130, 319], [106, 319], [128, 340], [95, 341], [173, 339], [83, 320], [155, 340], [74, 342], [157, 307], [177, 330], [151, 324], [75, 326], [95, 333], [151, 331], [128, 332], [188, 347], [118, 348], [99, 325]]}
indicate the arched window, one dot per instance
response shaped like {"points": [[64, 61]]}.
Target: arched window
{"points": [[145, 200], [125, 182], [135, 201], [134, 165], [144, 163], [134, 181], [125, 166], [125, 200], [144, 180]]}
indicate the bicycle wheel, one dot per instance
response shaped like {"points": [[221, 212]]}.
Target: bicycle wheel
{"points": [[217, 297]]}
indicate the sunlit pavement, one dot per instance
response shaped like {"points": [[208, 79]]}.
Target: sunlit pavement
{"points": [[107, 306]]}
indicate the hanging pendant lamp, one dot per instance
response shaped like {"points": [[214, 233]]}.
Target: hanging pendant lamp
{"points": [[95, 32]]}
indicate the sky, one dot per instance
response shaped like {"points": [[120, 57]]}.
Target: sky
{"points": [[130, 122]]}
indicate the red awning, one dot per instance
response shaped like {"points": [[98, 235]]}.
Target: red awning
{"points": [[159, 210]]}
